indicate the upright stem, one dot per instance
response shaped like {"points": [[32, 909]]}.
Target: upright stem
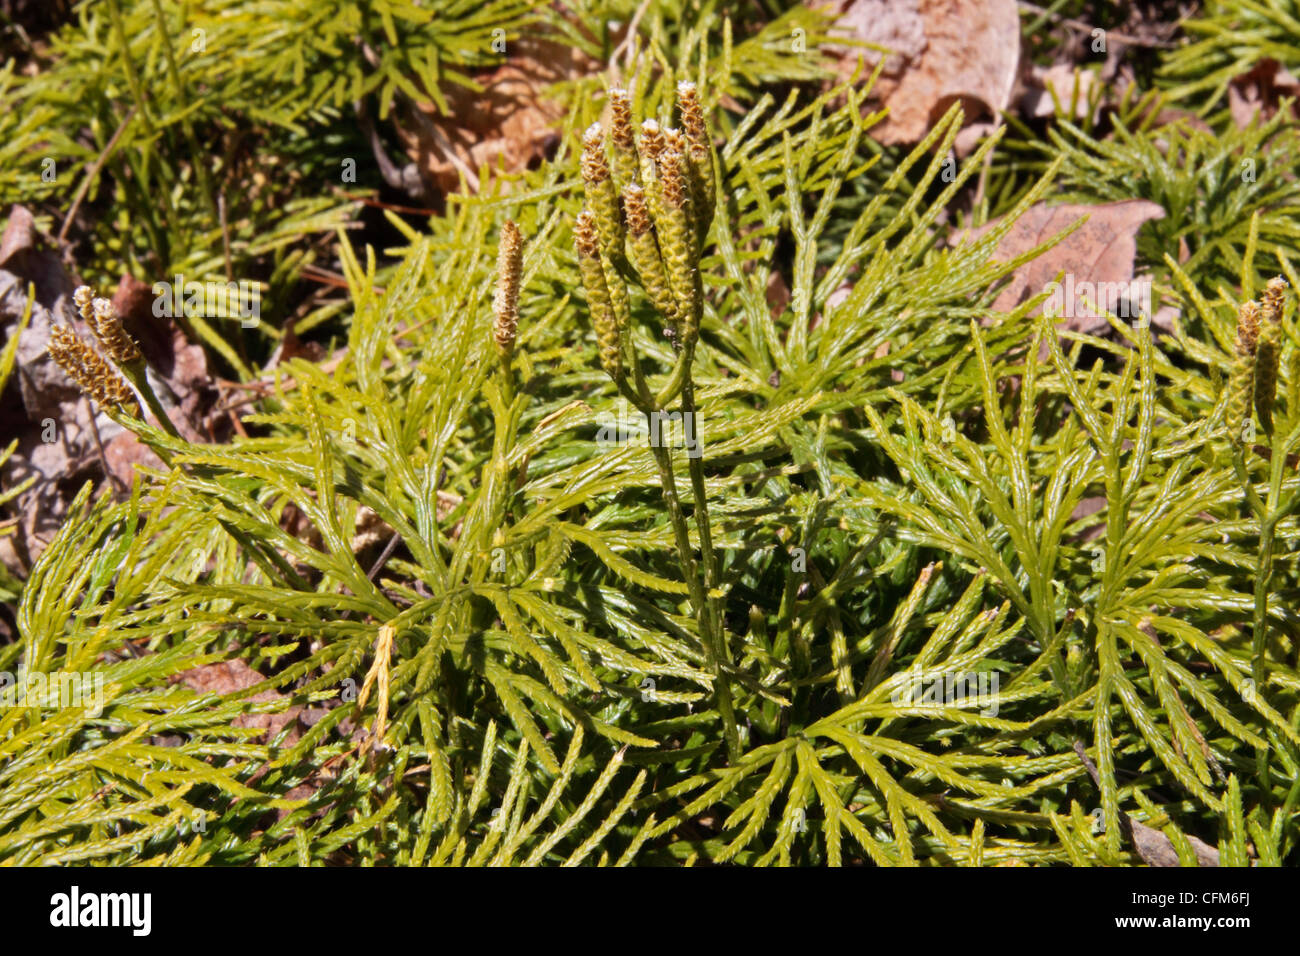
{"points": [[695, 464], [715, 647], [1268, 519], [137, 373], [507, 383], [132, 75], [497, 516], [1260, 629], [146, 116], [200, 166]]}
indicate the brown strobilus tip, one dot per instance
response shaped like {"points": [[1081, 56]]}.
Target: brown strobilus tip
{"points": [[505, 304], [108, 329], [93, 375]]}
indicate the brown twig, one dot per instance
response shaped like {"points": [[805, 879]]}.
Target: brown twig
{"points": [[92, 173], [236, 423], [116, 482], [395, 207], [629, 38], [387, 553]]}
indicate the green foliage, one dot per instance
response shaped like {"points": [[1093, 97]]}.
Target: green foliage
{"points": [[1222, 193], [1230, 38], [209, 141]]}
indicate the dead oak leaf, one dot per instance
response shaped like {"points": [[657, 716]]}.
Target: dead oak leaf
{"points": [[510, 121], [1259, 91], [941, 51], [1097, 258], [230, 677], [1156, 849]]}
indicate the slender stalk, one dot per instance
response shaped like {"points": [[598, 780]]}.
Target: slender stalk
{"points": [[196, 158], [673, 386], [700, 590], [695, 465], [1260, 628], [1252, 497], [138, 376], [497, 517], [713, 646], [1274, 510], [132, 75], [142, 177], [507, 384]]}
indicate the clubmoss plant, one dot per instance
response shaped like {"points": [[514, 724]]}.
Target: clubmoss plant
{"points": [[1255, 381], [1241, 386], [931, 585], [667, 250], [92, 374]]}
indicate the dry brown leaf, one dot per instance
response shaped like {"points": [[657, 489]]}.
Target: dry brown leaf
{"points": [[1258, 92], [229, 677], [54, 425], [125, 453], [1102, 250], [1150, 844], [942, 51], [1156, 849], [510, 121]]}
